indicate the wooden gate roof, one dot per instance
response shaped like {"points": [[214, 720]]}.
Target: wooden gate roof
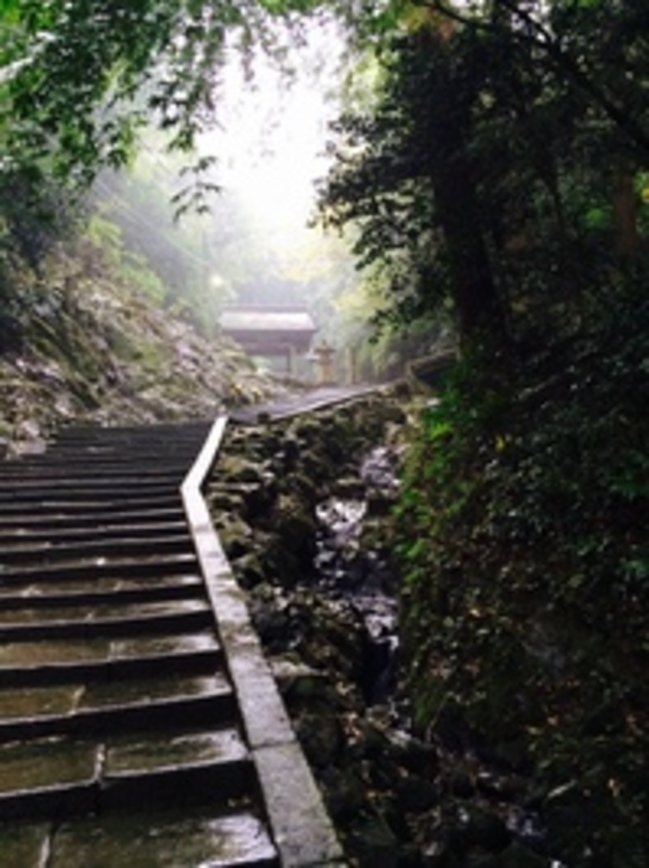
{"points": [[269, 329]]}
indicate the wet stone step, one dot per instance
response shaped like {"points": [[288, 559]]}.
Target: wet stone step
{"points": [[67, 505], [86, 710], [164, 431], [85, 455], [109, 612], [92, 593], [120, 445], [149, 690], [37, 654], [177, 616], [81, 454], [70, 698], [22, 522], [61, 776], [71, 484], [89, 493], [46, 467], [203, 767], [24, 845], [47, 552], [52, 762], [167, 443], [175, 840], [50, 663], [35, 534], [100, 568], [56, 802], [138, 754]]}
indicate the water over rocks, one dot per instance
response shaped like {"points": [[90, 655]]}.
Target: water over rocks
{"points": [[302, 508]]}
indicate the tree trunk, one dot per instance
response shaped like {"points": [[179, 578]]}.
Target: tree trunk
{"points": [[625, 218], [478, 306]]}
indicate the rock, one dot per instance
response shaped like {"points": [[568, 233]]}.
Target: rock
{"points": [[379, 504], [273, 627], [321, 737], [416, 794], [235, 535], [222, 499], [375, 844], [461, 785], [29, 447], [373, 782], [28, 429], [298, 682], [257, 498], [293, 520], [237, 469], [344, 793], [348, 488], [316, 466], [248, 570], [517, 856], [506, 787], [289, 453], [486, 829]]}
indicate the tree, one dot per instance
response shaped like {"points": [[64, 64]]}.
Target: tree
{"points": [[404, 174], [77, 78], [488, 152]]}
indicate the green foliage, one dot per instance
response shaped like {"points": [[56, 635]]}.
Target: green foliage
{"points": [[133, 269], [35, 215], [78, 79], [524, 556], [505, 187]]}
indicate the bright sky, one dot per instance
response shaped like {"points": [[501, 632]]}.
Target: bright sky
{"points": [[271, 146]]}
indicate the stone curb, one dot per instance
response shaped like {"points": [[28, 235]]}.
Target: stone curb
{"points": [[301, 828]]}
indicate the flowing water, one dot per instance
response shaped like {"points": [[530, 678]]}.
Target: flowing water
{"points": [[348, 569]]}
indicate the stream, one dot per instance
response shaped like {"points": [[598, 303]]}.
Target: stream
{"points": [[349, 569]]}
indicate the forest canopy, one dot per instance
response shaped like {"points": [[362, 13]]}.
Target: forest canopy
{"points": [[504, 135]]}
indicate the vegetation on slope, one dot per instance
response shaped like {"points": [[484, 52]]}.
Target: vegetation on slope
{"points": [[525, 576], [500, 173], [87, 347]]}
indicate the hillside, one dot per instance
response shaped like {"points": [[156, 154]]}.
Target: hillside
{"points": [[522, 532], [93, 351]]}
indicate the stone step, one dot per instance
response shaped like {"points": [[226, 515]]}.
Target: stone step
{"points": [[99, 709], [83, 451], [80, 622], [35, 535], [85, 521], [92, 490], [43, 467], [234, 840], [63, 777], [124, 473], [100, 568], [45, 552], [32, 664], [90, 502], [92, 592], [188, 838], [206, 767], [165, 432]]}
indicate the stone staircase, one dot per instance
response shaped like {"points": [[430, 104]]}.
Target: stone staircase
{"points": [[138, 725]]}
